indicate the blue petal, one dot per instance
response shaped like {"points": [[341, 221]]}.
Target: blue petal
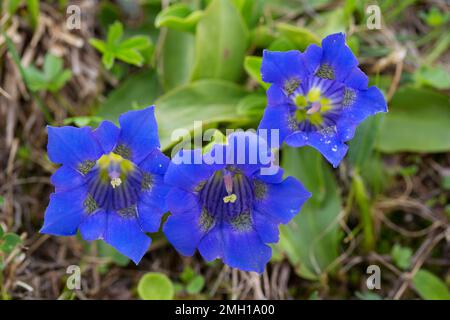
{"points": [[266, 227], [357, 79], [278, 67], [297, 139], [156, 162], [211, 245], [330, 146], [245, 250], [276, 118], [153, 204], [156, 196], [71, 146], [107, 135], [338, 55], [283, 200], [276, 177], [125, 234], [139, 132], [65, 212], [367, 103], [185, 173], [66, 178], [182, 228], [312, 57], [93, 226], [247, 151], [149, 217]]}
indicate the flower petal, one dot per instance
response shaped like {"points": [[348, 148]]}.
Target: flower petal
{"points": [[330, 146], [72, 146], [211, 245], [65, 212], [282, 201], [139, 132], [367, 103], [266, 226], [279, 67], [185, 172], [244, 249], [156, 162], [183, 229], [93, 225], [107, 135], [338, 55], [357, 79], [312, 57], [277, 125], [66, 178], [125, 234]]}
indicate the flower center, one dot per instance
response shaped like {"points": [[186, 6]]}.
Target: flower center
{"points": [[114, 182], [311, 106], [227, 196]]}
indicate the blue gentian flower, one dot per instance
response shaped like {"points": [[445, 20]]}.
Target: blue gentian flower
{"points": [[229, 209], [110, 185], [318, 97]]}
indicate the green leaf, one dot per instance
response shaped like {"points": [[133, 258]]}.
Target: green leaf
{"points": [[437, 77], [13, 5], [209, 101], [35, 79], [9, 242], [362, 145], [178, 17], [136, 43], [252, 105], [401, 256], [1, 229], [140, 89], [115, 33], [105, 250], [252, 65], [60, 80], [221, 42], [130, 56], [195, 285], [52, 66], [430, 287], [155, 286], [417, 121], [187, 275], [368, 296], [176, 60], [300, 37], [108, 59], [311, 239], [33, 10], [98, 44]]}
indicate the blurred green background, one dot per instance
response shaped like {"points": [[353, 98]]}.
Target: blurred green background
{"points": [[79, 62]]}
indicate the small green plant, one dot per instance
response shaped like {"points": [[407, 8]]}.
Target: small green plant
{"points": [[401, 256], [8, 242], [128, 50], [52, 77]]}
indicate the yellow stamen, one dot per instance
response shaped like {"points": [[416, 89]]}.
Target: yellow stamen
{"points": [[116, 182], [313, 95], [230, 198]]}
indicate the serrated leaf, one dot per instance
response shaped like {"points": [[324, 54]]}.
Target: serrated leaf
{"points": [[155, 286]]}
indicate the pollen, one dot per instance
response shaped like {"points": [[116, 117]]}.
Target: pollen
{"points": [[314, 95], [230, 198], [116, 182]]}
